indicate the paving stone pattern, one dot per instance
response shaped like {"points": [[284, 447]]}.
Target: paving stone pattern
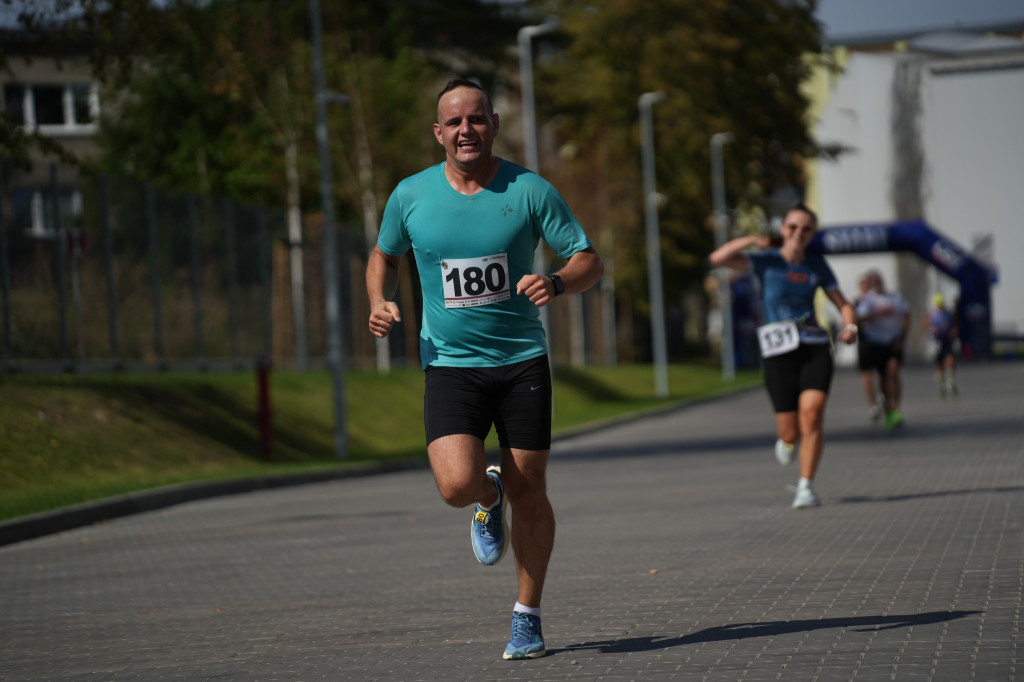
{"points": [[677, 558]]}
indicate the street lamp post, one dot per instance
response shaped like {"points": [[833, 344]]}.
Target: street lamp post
{"points": [[718, 140], [651, 202], [525, 40], [335, 357]]}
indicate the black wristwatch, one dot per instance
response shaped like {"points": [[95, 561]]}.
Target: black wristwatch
{"points": [[559, 284]]}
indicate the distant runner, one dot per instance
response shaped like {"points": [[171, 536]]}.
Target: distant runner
{"points": [[883, 318], [796, 352], [941, 324]]}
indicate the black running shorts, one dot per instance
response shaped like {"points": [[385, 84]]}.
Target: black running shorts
{"points": [[876, 356], [945, 350], [786, 376], [515, 399]]}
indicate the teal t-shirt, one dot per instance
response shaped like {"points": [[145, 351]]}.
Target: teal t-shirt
{"points": [[470, 252]]}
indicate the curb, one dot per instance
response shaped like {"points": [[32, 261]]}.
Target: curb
{"points": [[100, 511], [88, 513]]}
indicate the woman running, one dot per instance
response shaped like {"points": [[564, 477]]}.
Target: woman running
{"points": [[796, 351]]}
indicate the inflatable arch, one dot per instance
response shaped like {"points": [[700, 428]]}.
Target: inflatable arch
{"points": [[974, 307]]}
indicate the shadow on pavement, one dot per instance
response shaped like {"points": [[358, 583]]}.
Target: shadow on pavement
{"points": [[926, 430], [765, 440], [769, 629], [672, 447], [856, 499]]}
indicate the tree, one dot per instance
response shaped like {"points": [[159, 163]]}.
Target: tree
{"points": [[227, 86], [725, 66]]}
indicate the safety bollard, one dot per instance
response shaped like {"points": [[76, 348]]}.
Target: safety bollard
{"points": [[264, 413]]}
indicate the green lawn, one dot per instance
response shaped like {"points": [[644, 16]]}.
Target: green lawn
{"points": [[66, 440]]}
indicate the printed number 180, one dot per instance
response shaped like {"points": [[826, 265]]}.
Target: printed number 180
{"points": [[476, 281]]}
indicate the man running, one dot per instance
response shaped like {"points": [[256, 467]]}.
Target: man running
{"points": [[883, 318], [473, 223]]}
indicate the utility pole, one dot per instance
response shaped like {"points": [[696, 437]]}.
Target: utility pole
{"points": [[525, 41], [718, 140], [652, 200], [335, 358]]}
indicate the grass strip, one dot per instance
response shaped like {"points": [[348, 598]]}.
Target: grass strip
{"points": [[67, 440]]}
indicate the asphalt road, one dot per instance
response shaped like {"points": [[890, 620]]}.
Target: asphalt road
{"points": [[677, 557]]}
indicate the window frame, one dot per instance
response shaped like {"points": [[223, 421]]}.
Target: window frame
{"points": [[70, 125]]}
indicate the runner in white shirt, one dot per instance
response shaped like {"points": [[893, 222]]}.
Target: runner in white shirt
{"points": [[883, 319]]}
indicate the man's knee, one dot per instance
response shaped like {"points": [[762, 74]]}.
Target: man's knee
{"points": [[457, 493], [528, 486], [525, 479], [460, 486], [459, 467]]}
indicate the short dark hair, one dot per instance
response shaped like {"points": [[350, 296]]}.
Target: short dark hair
{"points": [[464, 83], [801, 206]]}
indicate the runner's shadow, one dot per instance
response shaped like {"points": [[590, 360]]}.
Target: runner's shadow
{"points": [[855, 499], [768, 629]]}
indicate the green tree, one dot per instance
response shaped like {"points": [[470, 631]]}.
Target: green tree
{"points": [[725, 65], [202, 98], [218, 96]]}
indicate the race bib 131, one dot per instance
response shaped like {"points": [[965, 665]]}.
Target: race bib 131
{"points": [[778, 338]]}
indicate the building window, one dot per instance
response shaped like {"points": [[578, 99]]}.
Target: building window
{"points": [[33, 210], [14, 103], [81, 103], [49, 105], [54, 109]]}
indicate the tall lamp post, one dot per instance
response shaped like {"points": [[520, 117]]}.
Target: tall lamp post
{"points": [[718, 140], [651, 201], [525, 39], [335, 358]]}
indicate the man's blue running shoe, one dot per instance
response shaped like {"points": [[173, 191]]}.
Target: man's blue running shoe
{"points": [[490, 527], [527, 639]]}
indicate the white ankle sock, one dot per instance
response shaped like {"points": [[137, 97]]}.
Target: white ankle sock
{"points": [[804, 483], [522, 608]]}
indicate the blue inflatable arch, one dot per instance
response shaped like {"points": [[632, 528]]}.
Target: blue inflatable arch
{"points": [[974, 308]]}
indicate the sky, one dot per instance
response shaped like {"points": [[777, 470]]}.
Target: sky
{"points": [[853, 19], [844, 19]]}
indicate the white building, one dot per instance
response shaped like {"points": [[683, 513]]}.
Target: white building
{"points": [[934, 129]]}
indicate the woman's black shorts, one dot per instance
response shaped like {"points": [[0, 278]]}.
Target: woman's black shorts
{"points": [[515, 398], [809, 367]]}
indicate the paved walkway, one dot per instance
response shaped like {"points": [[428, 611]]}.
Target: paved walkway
{"points": [[677, 557]]}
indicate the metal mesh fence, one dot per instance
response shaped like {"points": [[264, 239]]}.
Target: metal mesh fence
{"points": [[127, 276], [141, 278]]}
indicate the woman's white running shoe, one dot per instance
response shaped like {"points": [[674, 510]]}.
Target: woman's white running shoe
{"points": [[784, 452], [805, 497]]}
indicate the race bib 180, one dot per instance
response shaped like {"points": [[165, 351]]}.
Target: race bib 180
{"points": [[471, 282], [778, 338]]}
